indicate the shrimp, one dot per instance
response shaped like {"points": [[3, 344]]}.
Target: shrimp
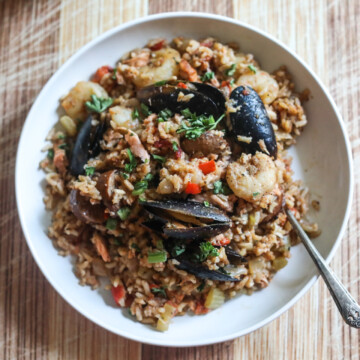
{"points": [[262, 83], [187, 71], [74, 102], [162, 66], [136, 146], [252, 176]]}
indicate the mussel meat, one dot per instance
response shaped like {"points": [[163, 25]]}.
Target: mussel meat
{"points": [[198, 98], [87, 145], [249, 120]]}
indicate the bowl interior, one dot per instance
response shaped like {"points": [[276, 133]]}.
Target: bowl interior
{"points": [[321, 159]]}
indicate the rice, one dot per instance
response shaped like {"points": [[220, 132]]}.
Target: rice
{"points": [[142, 156]]}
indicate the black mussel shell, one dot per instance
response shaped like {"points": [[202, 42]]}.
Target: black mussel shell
{"points": [[202, 272], [166, 96], [193, 209], [87, 145], [233, 256], [251, 120]]}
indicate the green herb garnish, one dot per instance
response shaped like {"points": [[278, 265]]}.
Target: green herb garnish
{"points": [[164, 115], [98, 104], [145, 110], [160, 159], [111, 223], [135, 114], [114, 74], [132, 165], [61, 136], [124, 213], [157, 256], [63, 146], [124, 175], [256, 194], [206, 203], [175, 146], [178, 249], [200, 288], [159, 83], [50, 154], [159, 291], [159, 244], [89, 170], [207, 250], [252, 68], [220, 188], [232, 82], [231, 70], [194, 126], [207, 76]]}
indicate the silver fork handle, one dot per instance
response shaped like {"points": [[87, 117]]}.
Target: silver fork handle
{"points": [[349, 309]]}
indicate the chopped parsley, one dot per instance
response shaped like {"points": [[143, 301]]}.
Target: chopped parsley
{"points": [[178, 249], [61, 136], [252, 68], [159, 291], [50, 154], [206, 203], [232, 82], [205, 250], [256, 194], [142, 185], [114, 74], [98, 104], [89, 170], [160, 159], [164, 115], [231, 70], [132, 165], [124, 175], [111, 223], [135, 114], [63, 146], [194, 126], [207, 76], [200, 288], [220, 188], [124, 213], [145, 110], [159, 83], [175, 146]]}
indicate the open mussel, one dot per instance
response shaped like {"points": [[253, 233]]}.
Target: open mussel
{"points": [[197, 97], [251, 126], [87, 145], [186, 219]]}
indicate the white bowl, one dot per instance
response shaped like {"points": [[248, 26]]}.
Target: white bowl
{"points": [[322, 158]]}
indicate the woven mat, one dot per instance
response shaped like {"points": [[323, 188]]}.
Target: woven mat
{"points": [[36, 37]]}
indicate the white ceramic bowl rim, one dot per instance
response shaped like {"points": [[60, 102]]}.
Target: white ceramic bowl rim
{"points": [[99, 39]]}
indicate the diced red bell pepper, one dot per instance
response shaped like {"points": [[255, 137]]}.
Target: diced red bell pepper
{"points": [[200, 308], [207, 167], [182, 85], [225, 83], [162, 143], [158, 45], [222, 242], [192, 188], [100, 72], [208, 43], [118, 293]]}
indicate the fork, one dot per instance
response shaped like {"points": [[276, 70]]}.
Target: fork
{"points": [[349, 309]]}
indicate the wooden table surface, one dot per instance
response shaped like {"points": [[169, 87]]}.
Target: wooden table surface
{"points": [[36, 37]]}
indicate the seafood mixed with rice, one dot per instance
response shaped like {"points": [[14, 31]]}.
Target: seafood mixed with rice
{"points": [[167, 175]]}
